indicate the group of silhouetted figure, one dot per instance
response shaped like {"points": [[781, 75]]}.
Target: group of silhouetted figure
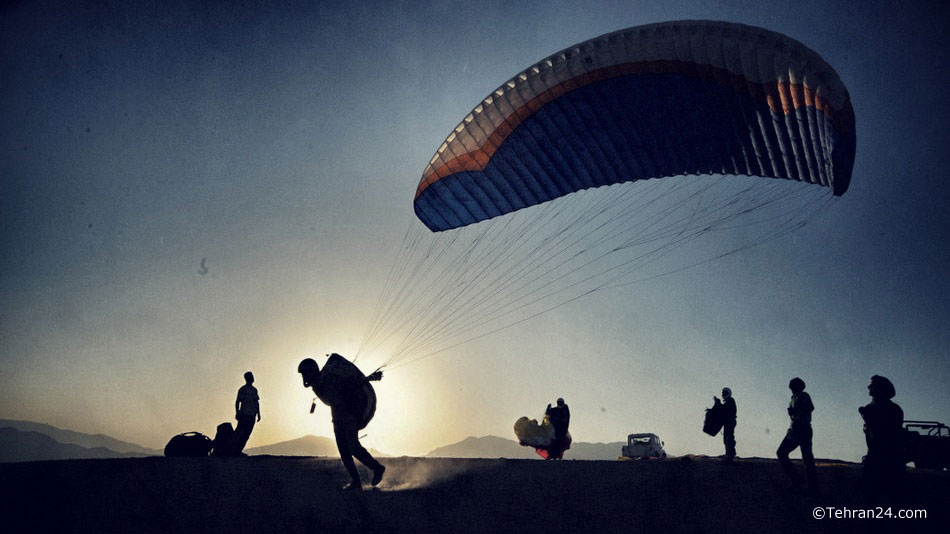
{"points": [[884, 464], [352, 401], [342, 387]]}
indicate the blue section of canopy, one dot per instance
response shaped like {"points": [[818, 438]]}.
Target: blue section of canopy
{"points": [[637, 127]]}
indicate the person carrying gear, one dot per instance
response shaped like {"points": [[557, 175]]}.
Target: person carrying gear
{"points": [[247, 411], [883, 431], [799, 435], [352, 401], [560, 418], [727, 413]]}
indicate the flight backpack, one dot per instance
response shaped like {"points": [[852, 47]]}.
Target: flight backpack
{"points": [[336, 381], [224, 440], [189, 444]]}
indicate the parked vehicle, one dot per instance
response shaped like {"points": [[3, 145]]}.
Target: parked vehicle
{"points": [[927, 444], [643, 446]]}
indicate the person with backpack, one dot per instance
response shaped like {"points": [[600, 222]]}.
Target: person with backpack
{"points": [[560, 418], [352, 401], [247, 411]]}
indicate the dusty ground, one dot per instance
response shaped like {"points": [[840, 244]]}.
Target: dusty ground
{"points": [[419, 495]]}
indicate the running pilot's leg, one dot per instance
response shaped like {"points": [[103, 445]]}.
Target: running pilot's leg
{"points": [[364, 456], [345, 438], [367, 459]]}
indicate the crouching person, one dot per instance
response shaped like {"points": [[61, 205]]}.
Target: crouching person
{"points": [[352, 401]]}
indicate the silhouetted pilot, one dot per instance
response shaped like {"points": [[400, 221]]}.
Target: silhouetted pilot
{"points": [[883, 431], [344, 394], [560, 418], [799, 435], [247, 411], [728, 413]]}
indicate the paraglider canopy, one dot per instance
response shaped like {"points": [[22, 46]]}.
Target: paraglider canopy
{"points": [[684, 122], [667, 99]]}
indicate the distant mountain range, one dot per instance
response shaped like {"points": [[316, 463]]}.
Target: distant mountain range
{"points": [[23, 441], [19, 446], [495, 447], [78, 438], [304, 446], [484, 447]]}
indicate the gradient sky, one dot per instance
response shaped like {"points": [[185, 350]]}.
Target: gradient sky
{"points": [[282, 146]]}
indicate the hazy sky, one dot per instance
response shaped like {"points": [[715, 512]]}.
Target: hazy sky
{"points": [[282, 145]]}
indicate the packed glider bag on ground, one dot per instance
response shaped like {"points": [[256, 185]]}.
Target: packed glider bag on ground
{"points": [[541, 437], [189, 444], [224, 440], [713, 422], [342, 382]]}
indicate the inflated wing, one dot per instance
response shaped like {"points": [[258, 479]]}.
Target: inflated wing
{"points": [[668, 99]]}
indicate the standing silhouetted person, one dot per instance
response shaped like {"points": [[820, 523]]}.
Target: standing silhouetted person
{"points": [[799, 435], [343, 388], [247, 411], [727, 411], [883, 431], [560, 418]]}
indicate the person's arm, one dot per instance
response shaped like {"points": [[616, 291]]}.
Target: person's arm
{"points": [[376, 376], [237, 404], [356, 383]]}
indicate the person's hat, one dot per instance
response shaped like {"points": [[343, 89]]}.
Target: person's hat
{"points": [[307, 365]]}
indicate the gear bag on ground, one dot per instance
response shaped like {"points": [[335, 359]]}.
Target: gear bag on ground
{"points": [[189, 444]]}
